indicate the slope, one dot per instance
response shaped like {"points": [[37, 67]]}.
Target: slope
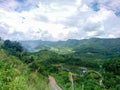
{"points": [[14, 75]]}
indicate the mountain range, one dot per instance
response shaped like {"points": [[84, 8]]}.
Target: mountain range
{"points": [[88, 47]]}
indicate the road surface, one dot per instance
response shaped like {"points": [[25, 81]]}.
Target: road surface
{"points": [[53, 84]]}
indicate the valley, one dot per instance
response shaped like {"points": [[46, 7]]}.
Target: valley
{"points": [[90, 64], [59, 44]]}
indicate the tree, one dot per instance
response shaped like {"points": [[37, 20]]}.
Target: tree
{"points": [[16, 46], [13, 48], [112, 65]]}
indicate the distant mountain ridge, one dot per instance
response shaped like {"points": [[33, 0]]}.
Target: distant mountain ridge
{"points": [[85, 46]]}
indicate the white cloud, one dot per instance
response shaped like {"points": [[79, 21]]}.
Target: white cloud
{"points": [[100, 16], [57, 20]]}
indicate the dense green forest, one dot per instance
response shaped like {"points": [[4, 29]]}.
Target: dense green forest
{"points": [[90, 64], [14, 73]]}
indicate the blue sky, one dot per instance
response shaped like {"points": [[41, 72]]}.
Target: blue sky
{"points": [[59, 19]]}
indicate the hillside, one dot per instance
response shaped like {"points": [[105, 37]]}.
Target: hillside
{"points": [[104, 48], [86, 68], [15, 75]]}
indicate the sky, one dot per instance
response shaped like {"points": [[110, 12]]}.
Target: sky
{"points": [[59, 19]]}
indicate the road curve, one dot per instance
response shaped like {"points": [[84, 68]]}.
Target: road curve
{"points": [[53, 84]]}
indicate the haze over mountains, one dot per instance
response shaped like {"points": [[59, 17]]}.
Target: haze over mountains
{"points": [[100, 46]]}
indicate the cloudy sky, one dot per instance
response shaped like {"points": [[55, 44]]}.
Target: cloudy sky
{"points": [[59, 19]]}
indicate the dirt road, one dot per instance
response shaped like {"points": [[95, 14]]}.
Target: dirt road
{"points": [[53, 84]]}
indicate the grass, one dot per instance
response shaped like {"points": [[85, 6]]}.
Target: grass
{"points": [[15, 75]]}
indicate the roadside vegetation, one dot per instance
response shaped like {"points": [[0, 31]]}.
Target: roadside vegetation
{"points": [[15, 75], [21, 70]]}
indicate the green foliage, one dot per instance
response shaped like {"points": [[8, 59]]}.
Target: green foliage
{"points": [[90, 55], [1, 44], [112, 65], [112, 73], [63, 80], [13, 48], [14, 75], [13, 45], [91, 48], [98, 48]]}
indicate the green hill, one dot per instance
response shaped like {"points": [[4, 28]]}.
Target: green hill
{"points": [[15, 75], [94, 64], [102, 48]]}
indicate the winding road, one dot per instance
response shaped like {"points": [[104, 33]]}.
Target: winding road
{"points": [[53, 84]]}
